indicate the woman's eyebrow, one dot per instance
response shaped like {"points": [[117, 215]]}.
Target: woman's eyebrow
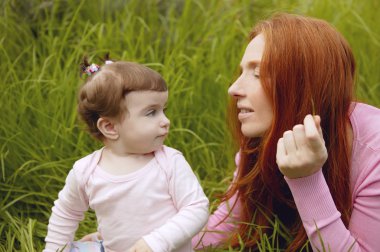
{"points": [[252, 64]]}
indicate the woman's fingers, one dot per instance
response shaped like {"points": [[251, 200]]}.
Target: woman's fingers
{"points": [[289, 142], [299, 135], [313, 132], [301, 151], [317, 120], [281, 152], [294, 140]]}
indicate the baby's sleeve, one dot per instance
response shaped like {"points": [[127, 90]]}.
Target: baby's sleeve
{"points": [[192, 205], [67, 212]]}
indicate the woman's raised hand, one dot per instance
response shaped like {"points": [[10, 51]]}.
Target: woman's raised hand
{"points": [[302, 152]]}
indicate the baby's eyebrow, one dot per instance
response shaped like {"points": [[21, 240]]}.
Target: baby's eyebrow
{"points": [[150, 106], [153, 106]]}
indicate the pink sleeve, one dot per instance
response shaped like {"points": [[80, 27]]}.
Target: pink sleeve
{"points": [[317, 209], [67, 212], [219, 226], [192, 205], [221, 223]]}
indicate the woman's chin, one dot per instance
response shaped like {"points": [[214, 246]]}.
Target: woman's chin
{"points": [[251, 132]]}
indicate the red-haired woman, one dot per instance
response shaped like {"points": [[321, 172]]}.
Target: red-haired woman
{"points": [[319, 175]]}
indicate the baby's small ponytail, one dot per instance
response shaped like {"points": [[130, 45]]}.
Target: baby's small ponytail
{"points": [[88, 69], [106, 59], [84, 65]]}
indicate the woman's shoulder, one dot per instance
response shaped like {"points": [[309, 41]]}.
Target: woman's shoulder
{"points": [[365, 121]]}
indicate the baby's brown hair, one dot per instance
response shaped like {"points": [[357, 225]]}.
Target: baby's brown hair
{"points": [[104, 90]]}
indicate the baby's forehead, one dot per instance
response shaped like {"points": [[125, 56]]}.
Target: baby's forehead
{"points": [[145, 98]]}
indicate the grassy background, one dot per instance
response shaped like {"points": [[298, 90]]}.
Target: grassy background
{"points": [[196, 45]]}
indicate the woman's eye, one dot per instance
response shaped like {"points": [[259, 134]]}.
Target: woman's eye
{"points": [[256, 72]]}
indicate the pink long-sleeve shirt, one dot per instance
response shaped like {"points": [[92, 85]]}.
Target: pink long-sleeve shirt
{"points": [[314, 201], [161, 202]]}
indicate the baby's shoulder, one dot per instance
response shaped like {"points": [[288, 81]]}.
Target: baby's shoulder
{"points": [[169, 159], [168, 154], [170, 151], [87, 164]]}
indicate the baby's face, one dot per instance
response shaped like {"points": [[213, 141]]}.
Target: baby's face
{"points": [[144, 126]]}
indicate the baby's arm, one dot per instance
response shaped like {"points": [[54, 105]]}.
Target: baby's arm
{"points": [[192, 205], [67, 212]]}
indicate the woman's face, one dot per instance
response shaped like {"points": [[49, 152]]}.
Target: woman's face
{"points": [[254, 107]]}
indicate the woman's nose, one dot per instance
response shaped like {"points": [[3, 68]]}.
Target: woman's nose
{"points": [[235, 89]]}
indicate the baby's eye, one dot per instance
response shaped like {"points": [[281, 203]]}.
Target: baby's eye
{"points": [[151, 113]]}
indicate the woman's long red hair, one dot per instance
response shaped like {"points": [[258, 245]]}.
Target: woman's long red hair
{"points": [[307, 66]]}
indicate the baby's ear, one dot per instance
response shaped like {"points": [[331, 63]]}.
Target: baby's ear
{"points": [[108, 129]]}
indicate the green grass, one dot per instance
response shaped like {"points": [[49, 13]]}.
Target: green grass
{"points": [[195, 45]]}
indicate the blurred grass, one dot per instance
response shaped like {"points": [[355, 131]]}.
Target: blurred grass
{"points": [[196, 45]]}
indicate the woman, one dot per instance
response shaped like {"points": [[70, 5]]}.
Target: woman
{"points": [[321, 172], [319, 175]]}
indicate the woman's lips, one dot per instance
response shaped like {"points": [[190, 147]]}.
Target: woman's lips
{"points": [[244, 115]]}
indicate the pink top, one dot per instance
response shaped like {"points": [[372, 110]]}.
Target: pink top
{"points": [[162, 203], [314, 201]]}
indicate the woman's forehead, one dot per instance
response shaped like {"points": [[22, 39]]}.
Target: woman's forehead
{"points": [[254, 52]]}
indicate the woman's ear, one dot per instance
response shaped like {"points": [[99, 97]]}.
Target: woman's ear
{"points": [[108, 129]]}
